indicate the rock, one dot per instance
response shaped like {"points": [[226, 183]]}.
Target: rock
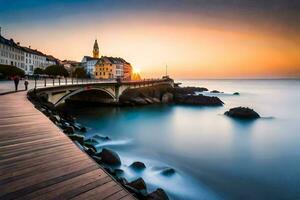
{"points": [[91, 141], [158, 194], [242, 113], [100, 137], [144, 95], [90, 146], [138, 165], [198, 100], [69, 130], [109, 170], [149, 100], [78, 138], [76, 126], [138, 184], [188, 90], [122, 180], [97, 159], [82, 129], [139, 101], [156, 100], [119, 172], [79, 145], [168, 172], [215, 91], [167, 98], [236, 93], [110, 157], [91, 151]]}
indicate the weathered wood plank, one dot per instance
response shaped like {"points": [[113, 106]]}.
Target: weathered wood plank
{"points": [[37, 161]]}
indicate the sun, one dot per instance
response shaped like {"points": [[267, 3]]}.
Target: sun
{"points": [[136, 70]]}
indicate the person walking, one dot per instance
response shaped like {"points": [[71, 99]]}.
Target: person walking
{"points": [[16, 81], [26, 84]]}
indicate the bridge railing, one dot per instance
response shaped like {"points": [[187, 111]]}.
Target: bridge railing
{"points": [[51, 82]]}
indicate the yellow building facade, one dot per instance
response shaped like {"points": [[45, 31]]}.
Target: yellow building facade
{"points": [[112, 68], [103, 71]]}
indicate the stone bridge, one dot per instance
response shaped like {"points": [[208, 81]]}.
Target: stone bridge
{"points": [[103, 92]]}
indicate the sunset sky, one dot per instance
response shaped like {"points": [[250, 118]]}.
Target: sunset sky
{"points": [[195, 38]]}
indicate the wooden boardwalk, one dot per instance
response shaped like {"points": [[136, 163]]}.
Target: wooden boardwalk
{"points": [[37, 161]]}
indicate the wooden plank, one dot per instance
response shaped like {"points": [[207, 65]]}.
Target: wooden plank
{"points": [[32, 156], [38, 161], [55, 190], [91, 191], [118, 195], [48, 183]]}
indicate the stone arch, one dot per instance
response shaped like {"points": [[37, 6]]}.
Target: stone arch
{"points": [[68, 95]]}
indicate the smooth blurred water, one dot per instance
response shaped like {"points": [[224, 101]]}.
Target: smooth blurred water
{"points": [[215, 157]]}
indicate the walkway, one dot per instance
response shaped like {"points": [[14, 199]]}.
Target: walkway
{"points": [[37, 161]]}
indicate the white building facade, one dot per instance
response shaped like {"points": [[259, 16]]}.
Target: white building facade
{"points": [[35, 59], [89, 64], [11, 53], [27, 59]]}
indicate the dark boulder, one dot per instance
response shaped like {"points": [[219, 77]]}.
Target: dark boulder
{"points": [[236, 93], [119, 172], [83, 129], [137, 165], [215, 91], [97, 159], [198, 100], [139, 101], [100, 137], [69, 130], [138, 184], [167, 98], [158, 194], [242, 113], [188, 90], [91, 151], [78, 138], [168, 171], [122, 180], [109, 170], [109, 157]]}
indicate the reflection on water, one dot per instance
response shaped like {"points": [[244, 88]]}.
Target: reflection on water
{"points": [[215, 157]]}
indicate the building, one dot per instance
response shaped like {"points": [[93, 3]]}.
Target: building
{"points": [[112, 68], [27, 59], [70, 65], [11, 53], [89, 62], [36, 59]]}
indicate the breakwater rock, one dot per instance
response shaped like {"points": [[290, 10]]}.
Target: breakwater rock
{"points": [[165, 94], [242, 113]]}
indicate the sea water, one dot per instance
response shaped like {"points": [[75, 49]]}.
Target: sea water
{"points": [[215, 157]]}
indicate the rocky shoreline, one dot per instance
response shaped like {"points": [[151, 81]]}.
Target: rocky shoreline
{"points": [[108, 159], [165, 94]]}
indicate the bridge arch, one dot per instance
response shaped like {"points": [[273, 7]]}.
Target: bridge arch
{"points": [[80, 90]]}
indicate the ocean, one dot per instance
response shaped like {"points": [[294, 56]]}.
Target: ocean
{"points": [[214, 156]]}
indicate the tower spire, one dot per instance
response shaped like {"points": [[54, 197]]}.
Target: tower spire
{"points": [[96, 49]]}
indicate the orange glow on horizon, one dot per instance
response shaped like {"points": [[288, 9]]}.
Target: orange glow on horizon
{"points": [[192, 49]]}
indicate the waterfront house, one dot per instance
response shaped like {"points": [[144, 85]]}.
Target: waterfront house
{"points": [[112, 68]]}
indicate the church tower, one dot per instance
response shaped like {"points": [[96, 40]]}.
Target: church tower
{"points": [[96, 50]]}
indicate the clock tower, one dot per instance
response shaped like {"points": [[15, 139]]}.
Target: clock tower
{"points": [[96, 50]]}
